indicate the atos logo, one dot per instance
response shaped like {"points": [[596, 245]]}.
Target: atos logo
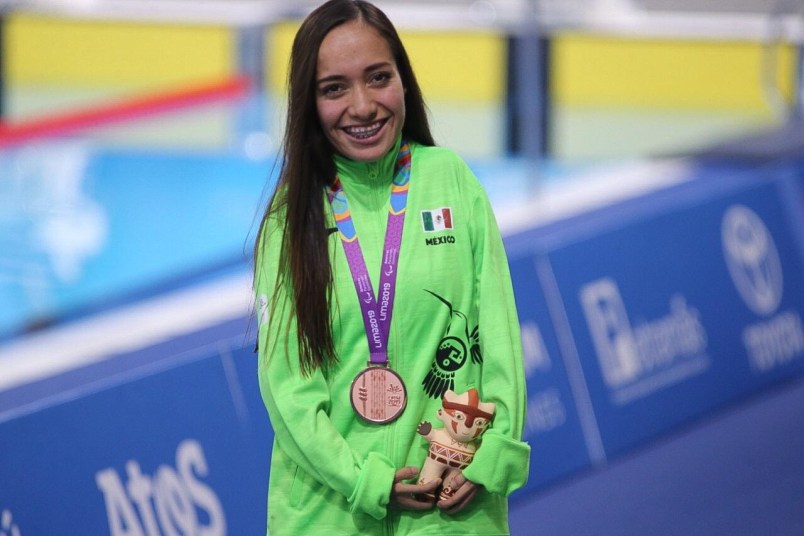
{"points": [[752, 259], [171, 502]]}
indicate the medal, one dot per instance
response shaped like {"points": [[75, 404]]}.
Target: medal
{"points": [[378, 393]]}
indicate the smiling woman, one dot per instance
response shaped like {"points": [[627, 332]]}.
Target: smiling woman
{"points": [[346, 276]]}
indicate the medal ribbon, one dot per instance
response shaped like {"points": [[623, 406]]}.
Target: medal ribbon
{"points": [[376, 313]]}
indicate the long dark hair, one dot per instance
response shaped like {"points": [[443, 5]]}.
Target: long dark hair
{"points": [[308, 168]]}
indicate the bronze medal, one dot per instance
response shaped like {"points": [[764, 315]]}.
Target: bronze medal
{"points": [[378, 395]]}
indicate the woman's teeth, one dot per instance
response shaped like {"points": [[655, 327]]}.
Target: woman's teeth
{"points": [[363, 132]]}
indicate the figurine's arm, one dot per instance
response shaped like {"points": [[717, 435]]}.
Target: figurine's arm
{"points": [[425, 429]]}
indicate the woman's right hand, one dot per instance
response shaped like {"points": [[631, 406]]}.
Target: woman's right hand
{"points": [[405, 496]]}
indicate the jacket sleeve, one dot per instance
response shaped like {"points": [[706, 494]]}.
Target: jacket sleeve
{"points": [[298, 406], [501, 463]]}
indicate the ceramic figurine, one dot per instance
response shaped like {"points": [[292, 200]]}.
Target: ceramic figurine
{"points": [[452, 447]]}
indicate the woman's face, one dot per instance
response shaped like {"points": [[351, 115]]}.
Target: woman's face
{"points": [[359, 94]]}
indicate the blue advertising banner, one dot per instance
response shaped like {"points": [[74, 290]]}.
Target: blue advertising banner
{"points": [[553, 426], [684, 310], [180, 447], [794, 195]]}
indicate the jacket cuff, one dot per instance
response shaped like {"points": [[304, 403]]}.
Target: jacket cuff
{"points": [[373, 490], [501, 464]]}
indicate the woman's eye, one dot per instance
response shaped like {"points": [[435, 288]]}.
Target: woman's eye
{"points": [[380, 78], [331, 90]]}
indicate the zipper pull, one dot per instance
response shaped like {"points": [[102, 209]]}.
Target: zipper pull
{"points": [[373, 169]]}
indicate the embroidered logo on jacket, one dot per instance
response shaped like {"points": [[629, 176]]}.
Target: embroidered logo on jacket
{"points": [[437, 219], [457, 344]]}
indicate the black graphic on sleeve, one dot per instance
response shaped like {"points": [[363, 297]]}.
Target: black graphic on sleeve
{"points": [[456, 345]]}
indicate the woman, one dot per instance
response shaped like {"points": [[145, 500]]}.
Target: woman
{"points": [[365, 195]]}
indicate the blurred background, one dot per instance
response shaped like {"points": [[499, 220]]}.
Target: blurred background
{"points": [[645, 159]]}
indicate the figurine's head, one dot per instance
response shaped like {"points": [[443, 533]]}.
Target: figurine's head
{"points": [[464, 416]]}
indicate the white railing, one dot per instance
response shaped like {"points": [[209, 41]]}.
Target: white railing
{"points": [[758, 20], [226, 12]]}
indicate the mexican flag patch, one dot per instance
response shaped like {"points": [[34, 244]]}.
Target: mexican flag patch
{"points": [[438, 219]]}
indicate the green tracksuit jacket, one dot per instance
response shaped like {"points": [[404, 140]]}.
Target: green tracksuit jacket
{"points": [[331, 473]]}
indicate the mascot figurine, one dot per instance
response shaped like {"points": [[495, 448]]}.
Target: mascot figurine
{"points": [[452, 447]]}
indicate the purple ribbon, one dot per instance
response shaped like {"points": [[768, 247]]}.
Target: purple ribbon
{"points": [[376, 309]]}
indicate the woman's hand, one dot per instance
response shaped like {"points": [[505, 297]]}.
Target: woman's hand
{"points": [[463, 492], [411, 496]]}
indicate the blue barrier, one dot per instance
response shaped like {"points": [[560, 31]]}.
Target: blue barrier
{"points": [[664, 308], [553, 427], [172, 439]]}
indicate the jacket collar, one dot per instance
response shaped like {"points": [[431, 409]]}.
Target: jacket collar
{"points": [[379, 172]]}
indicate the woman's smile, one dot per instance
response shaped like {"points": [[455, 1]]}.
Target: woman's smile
{"points": [[365, 132]]}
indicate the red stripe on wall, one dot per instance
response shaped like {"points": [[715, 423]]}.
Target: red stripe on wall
{"points": [[12, 133]]}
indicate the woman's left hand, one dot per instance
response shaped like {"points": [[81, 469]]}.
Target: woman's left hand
{"points": [[463, 492]]}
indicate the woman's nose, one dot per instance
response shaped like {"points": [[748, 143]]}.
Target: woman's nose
{"points": [[362, 105]]}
